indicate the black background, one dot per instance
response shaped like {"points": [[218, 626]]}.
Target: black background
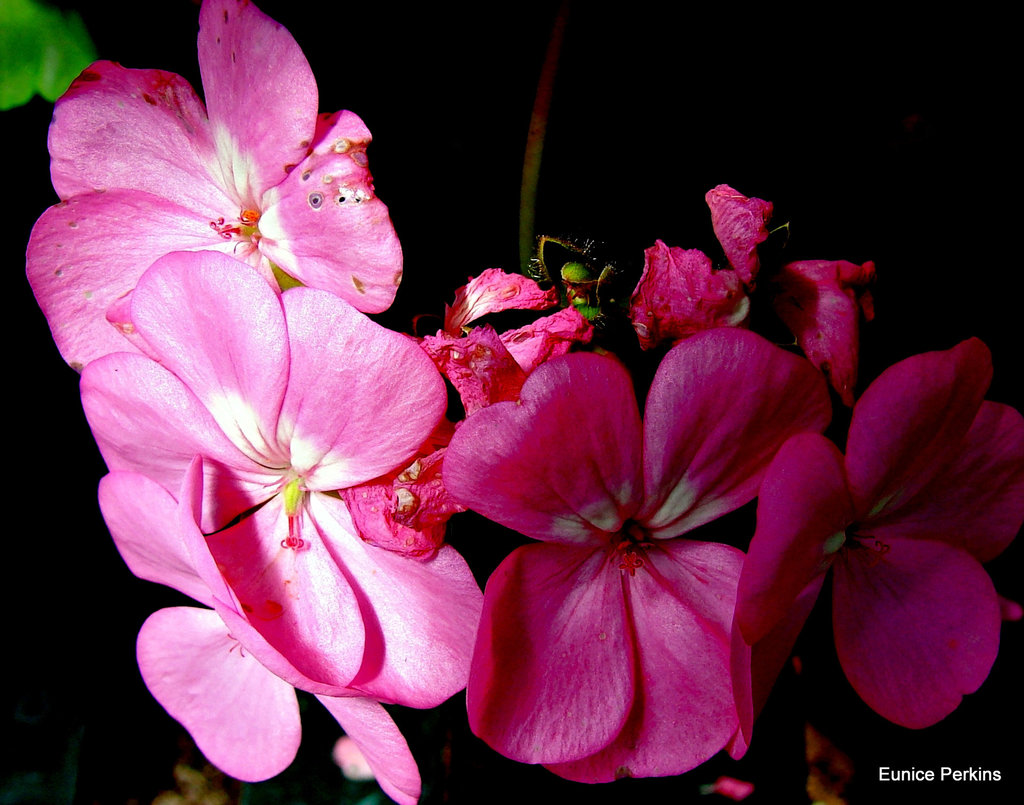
{"points": [[877, 137]]}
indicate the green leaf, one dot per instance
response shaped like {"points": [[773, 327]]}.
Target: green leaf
{"points": [[42, 50]]}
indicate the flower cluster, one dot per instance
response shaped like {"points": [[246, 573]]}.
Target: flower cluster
{"points": [[291, 465]]}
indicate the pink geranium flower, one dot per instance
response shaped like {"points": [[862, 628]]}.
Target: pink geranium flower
{"points": [[289, 398], [143, 168], [931, 486], [211, 668], [604, 649]]}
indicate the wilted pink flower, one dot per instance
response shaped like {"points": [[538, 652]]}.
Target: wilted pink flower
{"points": [[680, 294], [604, 649], [548, 337], [931, 486], [288, 398], [822, 301], [211, 668], [143, 168], [740, 224], [478, 364], [491, 292]]}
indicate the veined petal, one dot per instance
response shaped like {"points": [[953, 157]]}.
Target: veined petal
{"points": [[361, 399], [803, 510], [220, 328], [553, 670], [420, 617], [141, 516], [286, 593], [916, 627], [683, 712], [244, 719], [910, 423], [977, 501], [145, 420], [721, 404], [562, 463], [324, 225], [491, 291], [260, 94], [740, 224], [86, 253], [385, 750], [143, 130]]}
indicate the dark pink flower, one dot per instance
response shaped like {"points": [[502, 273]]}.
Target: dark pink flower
{"points": [[143, 168], [604, 649], [740, 224], [680, 294], [931, 486], [822, 302]]}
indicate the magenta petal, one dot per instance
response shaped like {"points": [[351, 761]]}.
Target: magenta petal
{"points": [[478, 364], [803, 510], [683, 711], [324, 225], [244, 719], [141, 517], [916, 628], [910, 422], [977, 501], [552, 677], [721, 404], [86, 253], [145, 420], [420, 617], [563, 463], [821, 302], [492, 291], [284, 593], [249, 62], [680, 294], [740, 224], [140, 130], [361, 399], [382, 745], [219, 327]]}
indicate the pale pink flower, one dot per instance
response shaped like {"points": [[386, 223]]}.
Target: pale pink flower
{"points": [[211, 668], [822, 303], [288, 398], [143, 168], [604, 649], [931, 486]]}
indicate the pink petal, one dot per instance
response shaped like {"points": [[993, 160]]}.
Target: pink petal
{"points": [[478, 364], [361, 399], [142, 519], [548, 337], [977, 501], [493, 291], [249, 62], [721, 404], [821, 301], [145, 420], [420, 617], [382, 745], [683, 712], [803, 510], [740, 224], [910, 422], [285, 592], [86, 253], [140, 130], [324, 225], [553, 672], [244, 719], [679, 294], [220, 328], [563, 463], [916, 627]]}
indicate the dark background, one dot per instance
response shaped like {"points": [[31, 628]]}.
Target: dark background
{"points": [[878, 137]]}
